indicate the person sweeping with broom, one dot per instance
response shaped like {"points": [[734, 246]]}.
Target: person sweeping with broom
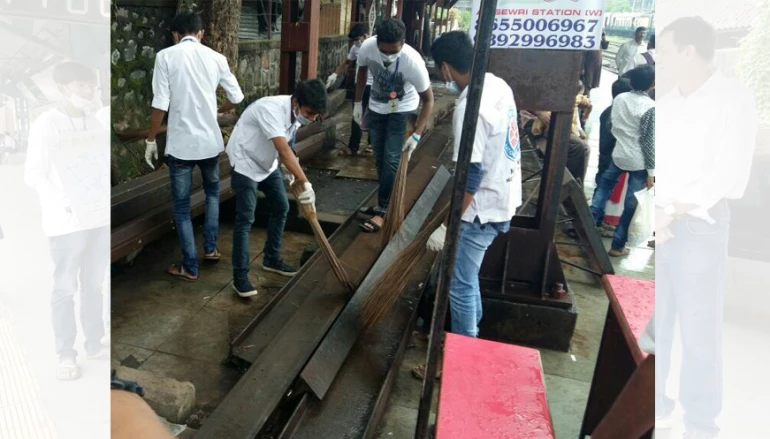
{"points": [[401, 81], [493, 191], [264, 135]]}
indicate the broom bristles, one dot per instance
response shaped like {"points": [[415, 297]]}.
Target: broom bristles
{"points": [[391, 284], [326, 248], [394, 217]]}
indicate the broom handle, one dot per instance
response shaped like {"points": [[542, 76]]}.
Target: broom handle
{"points": [[326, 248]]}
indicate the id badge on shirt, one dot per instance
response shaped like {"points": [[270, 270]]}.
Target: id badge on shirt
{"points": [[393, 105]]}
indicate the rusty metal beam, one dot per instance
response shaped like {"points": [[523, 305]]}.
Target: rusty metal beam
{"points": [[327, 360], [299, 36], [307, 306]]}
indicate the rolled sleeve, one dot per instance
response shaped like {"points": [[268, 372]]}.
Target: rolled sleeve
{"points": [[229, 82], [161, 89]]}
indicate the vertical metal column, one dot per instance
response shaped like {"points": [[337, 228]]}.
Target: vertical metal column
{"points": [[475, 89]]}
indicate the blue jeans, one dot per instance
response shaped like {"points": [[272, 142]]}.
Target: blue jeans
{"points": [[465, 292], [180, 172], [386, 134], [245, 204], [689, 286], [636, 182], [80, 264]]}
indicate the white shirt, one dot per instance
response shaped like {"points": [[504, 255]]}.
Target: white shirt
{"points": [[626, 54], [647, 340], [184, 83], [250, 148], [638, 60], [627, 111], [353, 56], [496, 146], [706, 143], [68, 165], [407, 77]]}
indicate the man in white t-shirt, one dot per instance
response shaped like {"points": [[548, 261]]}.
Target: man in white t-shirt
{"points": [[401, 81], [264, 135], [68, 162], [184, 84], [357, 36], [493, 191]]}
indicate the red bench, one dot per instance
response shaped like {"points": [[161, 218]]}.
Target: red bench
{"points": [[491, 390], [632, 302]]}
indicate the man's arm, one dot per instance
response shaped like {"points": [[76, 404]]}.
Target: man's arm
{"points": [[155, 121], [425, 112], [647, 142], [133, 418], [621, 57], [225, 107], [361, 82], [344, 66], [229, 83], [288, 159]]}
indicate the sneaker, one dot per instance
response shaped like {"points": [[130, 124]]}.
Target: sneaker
{"points": [[244, 288], [101, 354], [279, 267]]}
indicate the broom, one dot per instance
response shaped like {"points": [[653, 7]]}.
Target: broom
{"points": [[323, 243], [394, 217], [394, 280]]}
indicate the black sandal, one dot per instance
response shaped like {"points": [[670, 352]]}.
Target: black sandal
{"points": [[369, 226], [370, 210]]}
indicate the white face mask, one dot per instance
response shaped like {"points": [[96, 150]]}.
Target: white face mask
{"points": [[81, 103], [451, 86], [389, 59]]}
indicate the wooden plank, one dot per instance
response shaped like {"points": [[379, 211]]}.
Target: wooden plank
{"points": [[633, 302]]}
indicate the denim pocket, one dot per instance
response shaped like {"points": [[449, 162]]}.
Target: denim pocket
{"points": [[699, 227]]}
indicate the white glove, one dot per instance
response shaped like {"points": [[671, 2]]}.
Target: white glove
{"points": [[358, 113], [411, 143], [307, 196], [331, 80], [150, 152], [436, 240]]}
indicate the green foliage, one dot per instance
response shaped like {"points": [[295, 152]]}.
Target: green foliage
{"points": [[463, 19], [618, 5], [754, 63]]}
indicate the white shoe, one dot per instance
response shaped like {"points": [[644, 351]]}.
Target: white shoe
{"points": [[106, 339], [663, 422], [692, 434]]}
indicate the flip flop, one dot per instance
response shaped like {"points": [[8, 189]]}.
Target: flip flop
{"points": [[370, 210], [213, 256], [369, 226], [178, 271]]}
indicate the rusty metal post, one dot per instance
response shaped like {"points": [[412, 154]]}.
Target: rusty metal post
{"points": [[435, 21], [475, 89], [388, 8], [550, 191], [299, 36], [421, 25], [400, 9]]}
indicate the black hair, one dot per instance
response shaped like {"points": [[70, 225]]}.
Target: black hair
{"points": [[696, 32], [357, 31], [454, 48], [620, 86], [640, 29], [311, 93], [187, 23], [651, 42], [71, 71], [642, 77], [391, 30]]}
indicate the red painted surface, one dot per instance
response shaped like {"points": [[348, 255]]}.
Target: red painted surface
{"points": [[491, 390], [637, 300], [618, 191]]}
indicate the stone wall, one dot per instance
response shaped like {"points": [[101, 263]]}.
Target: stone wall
{"points": [[138, 33]]}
